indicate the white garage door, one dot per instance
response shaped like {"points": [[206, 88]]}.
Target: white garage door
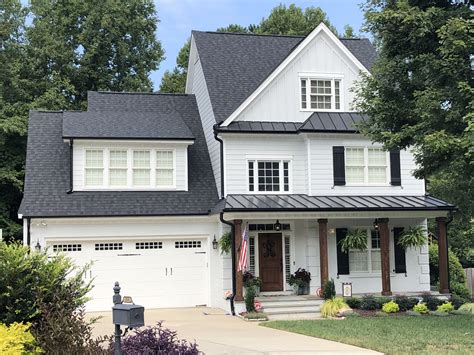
{"points": [[156, 273]]}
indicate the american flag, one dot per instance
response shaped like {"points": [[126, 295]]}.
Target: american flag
{"points": [[243, 251]]}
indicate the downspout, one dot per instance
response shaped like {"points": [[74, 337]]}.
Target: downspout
{"points": [[70, 165], [28, 233], [222, 157], [233, 253]]}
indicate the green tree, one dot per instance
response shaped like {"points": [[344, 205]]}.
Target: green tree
{"points": [[420, 96], [68, 48], [349, 32]]}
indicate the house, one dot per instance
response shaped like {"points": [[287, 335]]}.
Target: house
{"points": [[264, 140]]}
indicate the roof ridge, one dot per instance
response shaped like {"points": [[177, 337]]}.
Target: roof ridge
{"points": [[142, 93], [270, 35]]}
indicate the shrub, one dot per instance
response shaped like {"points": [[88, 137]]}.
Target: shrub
{"points": [[467, 307], [29, 279], [459, 289], [445, 307], [155, 340], [431, 302], [250, 299], [457, 301], [17, 339], [420, 308], [301, 277], [390, 307], [369, 303], [250, 280], [406, 303], [353, 302], [456, 271], [333, 306], [329, 290], [381, 301]]}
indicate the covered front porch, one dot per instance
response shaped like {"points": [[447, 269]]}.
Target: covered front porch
{"points": [[284, 238]]}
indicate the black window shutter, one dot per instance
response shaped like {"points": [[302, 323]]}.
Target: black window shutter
{"points": [[339, 165], [395, 173], [342, 258], [400, 257]]}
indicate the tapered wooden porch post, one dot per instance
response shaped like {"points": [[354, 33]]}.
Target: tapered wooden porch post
{"points": [[442, 255], [323, 250], [385, 255], [238, 242]]}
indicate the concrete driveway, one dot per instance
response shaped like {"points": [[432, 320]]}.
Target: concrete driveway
{"points": [[218, 333]]}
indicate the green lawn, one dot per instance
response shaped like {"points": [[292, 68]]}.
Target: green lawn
{"points": [[392, 335]]}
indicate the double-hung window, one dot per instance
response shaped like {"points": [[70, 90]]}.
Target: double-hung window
{"points": [[269, 176], [366, 165], [141, 168], [118, 167], [94, 167], [366, 261], [320, 94], [164, 168]]}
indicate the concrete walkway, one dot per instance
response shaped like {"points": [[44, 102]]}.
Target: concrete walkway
{"points": [[218, 333]]}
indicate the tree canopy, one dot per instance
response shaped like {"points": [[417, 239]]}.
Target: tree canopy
{"points": [[420, 97], [50, 62]]}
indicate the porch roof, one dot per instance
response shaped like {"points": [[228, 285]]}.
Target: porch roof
{"points": [[306, 203]]}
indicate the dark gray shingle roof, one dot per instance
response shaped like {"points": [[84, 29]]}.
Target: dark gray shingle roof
{"points": [[300, 202], [47, 174], [235, 65], [131, 116], [341, 122]]}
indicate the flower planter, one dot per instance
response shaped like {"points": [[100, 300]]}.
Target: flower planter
{"points": [[302, 290]]}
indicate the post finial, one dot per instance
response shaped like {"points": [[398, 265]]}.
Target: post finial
{"points": [[117, 299]]}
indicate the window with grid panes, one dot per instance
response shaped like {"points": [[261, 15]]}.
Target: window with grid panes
{"points": [[366, 165], [94, 167], [269, 176], [141, 168], [320, 94], [164, 168], [118, 168], [368, 260]]}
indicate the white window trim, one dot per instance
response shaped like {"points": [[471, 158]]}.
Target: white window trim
{"points": [[103, 168], [129, 186], [255, 175], [321, 76], [369, 250], [366, 167]]}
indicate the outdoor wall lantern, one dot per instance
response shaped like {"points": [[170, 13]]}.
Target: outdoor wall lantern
{"points": [[277, 226], [38, 246], [215, 243], [376, 225]]}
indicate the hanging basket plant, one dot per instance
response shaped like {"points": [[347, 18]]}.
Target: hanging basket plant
{"points": [[413, 237], [225, 243], [355, 239]]}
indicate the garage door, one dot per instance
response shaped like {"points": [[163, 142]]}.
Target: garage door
{"points": [[155, 273]]}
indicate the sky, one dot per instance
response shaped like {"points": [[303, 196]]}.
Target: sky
{"points": [[179, 17]]}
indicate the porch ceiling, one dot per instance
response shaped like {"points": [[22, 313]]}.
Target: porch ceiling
{"points": [[305, 203]]}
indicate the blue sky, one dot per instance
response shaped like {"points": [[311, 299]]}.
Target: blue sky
{"points": [[179, 17]]}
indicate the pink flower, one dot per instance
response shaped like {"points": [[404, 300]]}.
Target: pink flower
{"points": [[258, 305], [228, 295]]}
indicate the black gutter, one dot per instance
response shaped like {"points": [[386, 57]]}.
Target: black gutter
{"points": [[233, 253], [122, 215], [288, 132], [132, 138], [71, 142], [215, 128], [334, 209]]}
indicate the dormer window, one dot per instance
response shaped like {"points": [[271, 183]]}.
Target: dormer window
{"points": [[320, 94]]}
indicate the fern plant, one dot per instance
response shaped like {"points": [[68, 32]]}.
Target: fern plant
{"points": [[413, 237], [225, 243], [332, 307], [355, 239]]}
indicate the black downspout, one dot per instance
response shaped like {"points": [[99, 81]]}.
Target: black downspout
{"points": [[70, 165], [234, 275], [28, 234], [222, 157]]}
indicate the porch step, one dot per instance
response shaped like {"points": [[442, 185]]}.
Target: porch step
{"points": [[291, 307]]}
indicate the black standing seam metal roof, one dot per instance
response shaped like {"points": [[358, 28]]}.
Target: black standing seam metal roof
{"points": [[235, 64], [47, 168], [301, 202], [324, 122]]}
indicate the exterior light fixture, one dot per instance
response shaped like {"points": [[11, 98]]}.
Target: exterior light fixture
{"points": [[376, 225], [38, 246], [215, 243], [277, 226]]}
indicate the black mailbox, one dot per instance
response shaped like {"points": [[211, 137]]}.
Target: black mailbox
{"points": [[131, 315]]}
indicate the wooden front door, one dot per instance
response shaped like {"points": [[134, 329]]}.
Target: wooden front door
{"points": [[270, 257]]}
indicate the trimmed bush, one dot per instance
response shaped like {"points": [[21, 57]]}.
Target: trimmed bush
{"points": [[382, 300], [406, 303], [353, 302], [390, 307], [420, 308], [17, 339], [456, 271], [459, 289], [369, 303], [329, 290], [457, 301], [467, 307], [431, 302], [250, 299], [331, 307], [445, 307]]}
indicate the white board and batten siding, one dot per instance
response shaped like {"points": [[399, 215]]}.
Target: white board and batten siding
{"points": [[196, 84], [280, 100], [159, 262], [180, 150]]}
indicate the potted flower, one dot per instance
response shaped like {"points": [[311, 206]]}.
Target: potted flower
{"points": [[300, 281], [355, 239], [250, 280]]}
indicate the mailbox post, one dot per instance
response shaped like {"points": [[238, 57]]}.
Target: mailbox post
{"points": [[130, 315]]}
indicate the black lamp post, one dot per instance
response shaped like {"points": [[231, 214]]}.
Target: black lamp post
{"points": [[215, 243]]}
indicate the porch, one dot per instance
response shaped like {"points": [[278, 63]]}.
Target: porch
{"points": [[283, 238]]}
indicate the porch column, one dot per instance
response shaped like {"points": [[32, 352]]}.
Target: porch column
{"points": [[385, 255], [239, 283], [442, 254], [323, 250]]}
